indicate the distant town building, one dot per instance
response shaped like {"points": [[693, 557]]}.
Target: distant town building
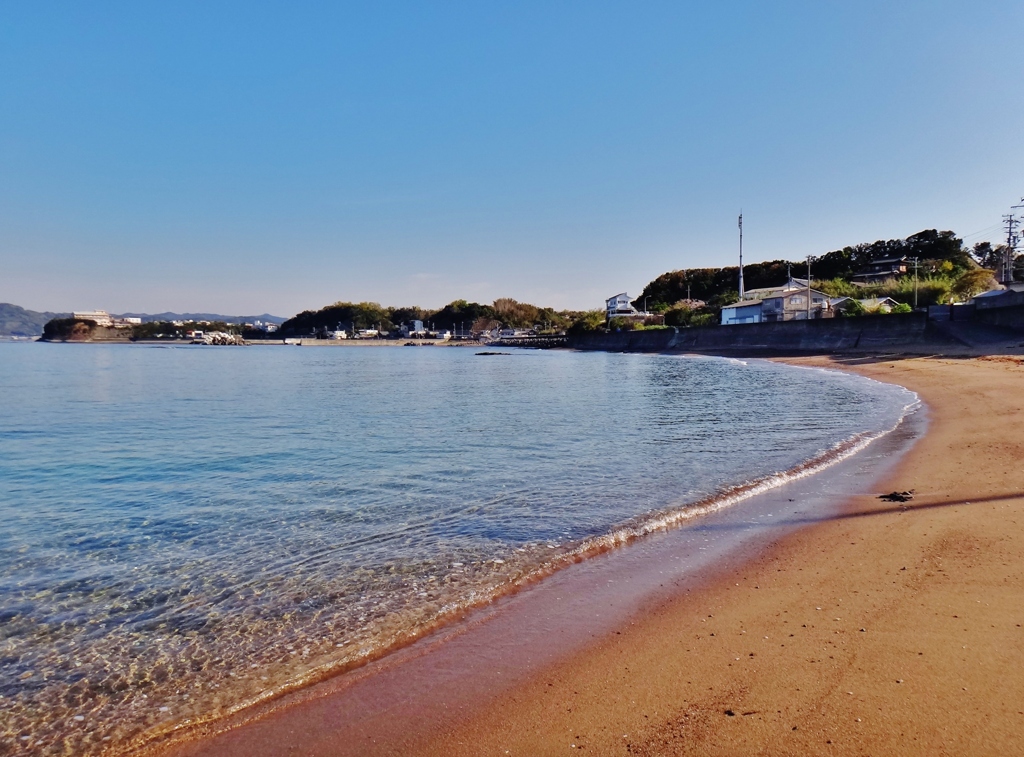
{"points": [[99, 317], [103, 318], [511, 333], [413, 328], [879, 270]]}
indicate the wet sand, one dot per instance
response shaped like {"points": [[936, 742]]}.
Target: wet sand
{"points": [[887, 628]]}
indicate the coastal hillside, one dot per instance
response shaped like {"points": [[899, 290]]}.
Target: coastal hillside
{"points": [[945, 266], [18, 321]]}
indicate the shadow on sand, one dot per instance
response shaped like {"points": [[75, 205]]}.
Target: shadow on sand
{"points": [[902, 508]]}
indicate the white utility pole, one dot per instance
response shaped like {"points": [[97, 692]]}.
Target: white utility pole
{"points": [[741, 254]]}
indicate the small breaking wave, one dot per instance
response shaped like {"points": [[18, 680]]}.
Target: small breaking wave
{"points": [[529, 571]]}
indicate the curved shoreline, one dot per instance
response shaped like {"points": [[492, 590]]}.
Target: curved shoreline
{"points": [[890, 629], [215, 737]]}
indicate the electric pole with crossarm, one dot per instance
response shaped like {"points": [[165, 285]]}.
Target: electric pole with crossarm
{"points": [[1011, 247]]}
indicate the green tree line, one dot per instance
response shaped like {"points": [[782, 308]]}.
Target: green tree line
{"points": [[459, 315]]}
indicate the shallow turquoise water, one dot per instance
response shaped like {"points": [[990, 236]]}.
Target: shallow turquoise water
{"points": [[187, 529]]}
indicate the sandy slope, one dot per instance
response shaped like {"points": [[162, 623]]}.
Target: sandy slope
{"points": [[889, 631]]}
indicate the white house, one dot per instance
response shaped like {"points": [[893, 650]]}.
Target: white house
{"points": [[619, 306], [413, 328]]}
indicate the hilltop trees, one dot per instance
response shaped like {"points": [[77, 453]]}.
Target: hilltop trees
{"points": [[709, 284], [460, 315], [523, 315], [344, 315], [930, 245]]}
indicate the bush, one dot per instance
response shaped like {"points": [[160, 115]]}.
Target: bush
{"points": [[975, 281], [625, 324], [704, 319], [852, 309], [902, 308], [589, 321], [836, 288], [931, 290]]}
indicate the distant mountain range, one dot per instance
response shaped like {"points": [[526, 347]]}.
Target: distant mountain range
{"points": [[17, 321], [148, 318]]}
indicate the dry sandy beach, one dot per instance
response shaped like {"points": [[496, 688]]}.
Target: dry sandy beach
{"points": [[890, 629]]}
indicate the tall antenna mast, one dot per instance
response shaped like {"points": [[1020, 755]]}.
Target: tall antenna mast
{"points": [[741, 254]]}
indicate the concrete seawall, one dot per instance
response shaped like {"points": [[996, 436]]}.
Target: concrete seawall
{"points": [[1006, 311], [907, 333]]}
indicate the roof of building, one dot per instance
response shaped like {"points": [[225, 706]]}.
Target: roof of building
{"points": [[791, 284], [794, 284], [868, 302], [743, 304], [991, 293], [795, 290], [873, 302], [881, 261]]}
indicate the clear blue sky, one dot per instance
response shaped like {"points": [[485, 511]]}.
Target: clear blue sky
{"points": [[251, 157]]}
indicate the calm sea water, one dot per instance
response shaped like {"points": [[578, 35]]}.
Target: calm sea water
{"points": [[186, 530]]}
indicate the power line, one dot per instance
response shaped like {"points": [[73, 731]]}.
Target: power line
{"points": [[985, 231], [1011, 223]]}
